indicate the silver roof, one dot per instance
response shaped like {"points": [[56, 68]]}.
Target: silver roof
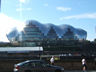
{"points": [[20, 49]]}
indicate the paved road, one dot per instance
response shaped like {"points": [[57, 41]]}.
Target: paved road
{"points": [[79, 71], [70, 71]]}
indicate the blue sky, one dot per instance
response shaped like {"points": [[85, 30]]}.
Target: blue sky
{"points": [[78, 13]]}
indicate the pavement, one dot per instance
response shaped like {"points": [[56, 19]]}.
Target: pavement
{"points": [[65, 71], [79, 71]]}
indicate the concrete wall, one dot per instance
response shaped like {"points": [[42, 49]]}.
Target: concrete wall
{"points": [[8, 65], [72, 65]]}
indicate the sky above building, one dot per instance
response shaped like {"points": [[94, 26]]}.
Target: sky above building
{"points": [[77, 13]]}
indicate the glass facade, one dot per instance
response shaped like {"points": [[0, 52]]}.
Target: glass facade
{"points": [[34, 32], [69, 35], [51, 34], [13, 36], [31, 35]]}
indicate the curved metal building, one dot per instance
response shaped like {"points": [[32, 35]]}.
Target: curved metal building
{"points": [[34, 32]]}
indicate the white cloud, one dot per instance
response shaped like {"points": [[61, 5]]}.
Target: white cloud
{"points": [[23, 9], [7, 24], [28, 9], [81, 16], [63, 9], [22, 1], [46, 4], [19, 9]]}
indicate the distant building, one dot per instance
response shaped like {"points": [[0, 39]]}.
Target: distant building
{"points": [[34, 32], [51, 34], [69, 35], [31, 35], [13, 36]]}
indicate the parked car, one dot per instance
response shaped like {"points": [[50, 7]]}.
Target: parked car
{"points": [[36, 66]]}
